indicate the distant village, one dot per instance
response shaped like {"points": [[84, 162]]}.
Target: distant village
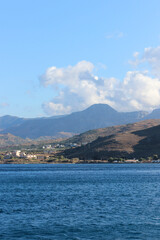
{"points": [[48, 154]]}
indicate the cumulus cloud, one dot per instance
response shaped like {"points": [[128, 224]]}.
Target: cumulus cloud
{"points": [[139, 92], [77, 87]]}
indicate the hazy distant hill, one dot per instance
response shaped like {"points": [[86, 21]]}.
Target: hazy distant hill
{"points": [[155, 114], [140, 139], [10, 121], [96, 116]]}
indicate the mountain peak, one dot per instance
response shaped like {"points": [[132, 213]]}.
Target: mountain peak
{"points": [[101, 107], [95, 116]]}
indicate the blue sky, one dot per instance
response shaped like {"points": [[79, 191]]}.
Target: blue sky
{"points": [[96, 38]]}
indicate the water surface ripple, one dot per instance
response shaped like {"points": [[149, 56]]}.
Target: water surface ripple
{"points": [[80, 202]]}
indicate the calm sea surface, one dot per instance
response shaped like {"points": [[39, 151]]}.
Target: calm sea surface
{"points": [[105, 201]]}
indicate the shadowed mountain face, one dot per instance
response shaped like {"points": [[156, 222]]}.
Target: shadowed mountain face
{"points": [[141, 139], [96, 116]]}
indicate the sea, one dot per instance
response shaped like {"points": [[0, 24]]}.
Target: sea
{"points": [[80, 201]]}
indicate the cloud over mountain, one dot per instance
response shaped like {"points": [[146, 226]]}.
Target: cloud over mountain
{"points": [[77, 87]]}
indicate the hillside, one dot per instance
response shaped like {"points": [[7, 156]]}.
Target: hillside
{"points": [[11, 140], [96, 116], [92, 135], [141, 139]]}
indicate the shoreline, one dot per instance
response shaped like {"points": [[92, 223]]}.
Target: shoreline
{"points": [[81, 162]]}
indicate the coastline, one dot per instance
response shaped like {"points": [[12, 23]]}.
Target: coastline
{"points": [[72, 162]]}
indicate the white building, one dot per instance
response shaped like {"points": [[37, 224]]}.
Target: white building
{"points": [[31, 156], [16, 153]]}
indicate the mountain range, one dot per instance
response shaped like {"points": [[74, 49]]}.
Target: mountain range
{"points": [[96, 116]]}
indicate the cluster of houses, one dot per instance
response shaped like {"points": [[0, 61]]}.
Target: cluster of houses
{"points": [[50, 147], [19, 154], [60, 145], [46, 150]]}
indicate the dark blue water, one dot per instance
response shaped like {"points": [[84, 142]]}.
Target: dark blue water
{"points": [[105, 201]]}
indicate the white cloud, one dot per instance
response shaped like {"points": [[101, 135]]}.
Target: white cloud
{"points": [[77, 87], [150, 57], [67, 76], [135, 54], [140, 92], [115, 35], [4, 104], [109, 36], [56, 108]]}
